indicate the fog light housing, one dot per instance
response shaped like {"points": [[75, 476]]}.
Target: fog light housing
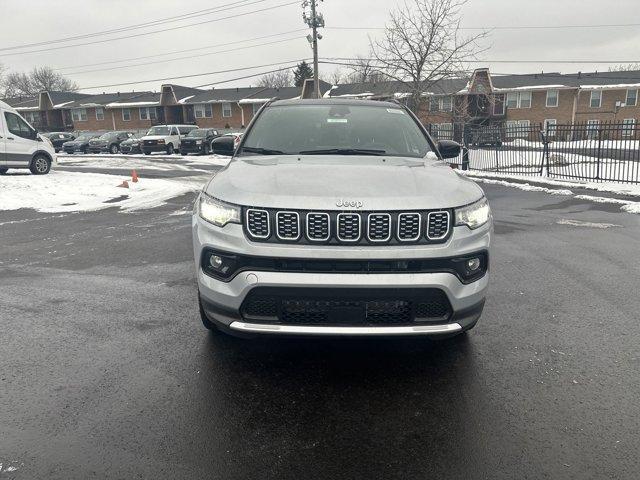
{"points": [[218, 265], [216, 261], [473, 264]]}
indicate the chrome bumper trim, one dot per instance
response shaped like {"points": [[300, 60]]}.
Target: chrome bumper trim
{"points": [[358, 331]]}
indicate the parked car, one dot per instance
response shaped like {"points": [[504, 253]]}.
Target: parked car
{"points": [[339, 217], [486, 137], [81, 143], [165, 138], [21, 146], [131, 145], [226, 144], [108, 142], [58, 138], [198, 141]]}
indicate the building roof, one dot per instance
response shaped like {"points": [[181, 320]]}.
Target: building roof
{"points": [[143, 99], [102, 99], [219, 95], [22, 102]]}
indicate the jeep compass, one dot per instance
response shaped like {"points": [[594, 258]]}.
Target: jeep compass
{"points": [[339, 217]]}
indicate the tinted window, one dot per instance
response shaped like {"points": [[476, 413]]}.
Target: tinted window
{"points": [[158, 131], [185, 130], [199, 133], [18, 126], [306, 128]]}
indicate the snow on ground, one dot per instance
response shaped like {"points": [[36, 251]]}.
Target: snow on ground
{"points": [[149, 162], [72, 191]]}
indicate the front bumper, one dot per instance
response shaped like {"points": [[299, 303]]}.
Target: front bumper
{"points": [[98, 149], [154, 148], [186, 149], [222, 301]]}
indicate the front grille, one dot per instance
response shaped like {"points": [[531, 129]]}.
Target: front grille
{"points": [[258, 223], [288, 225], [379, 227], [349, 227], [318, 227], [438, 225], [150, 142], [409, 227], [346, 307]]}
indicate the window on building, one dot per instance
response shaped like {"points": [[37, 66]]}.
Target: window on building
{"points": [[552, 98], [445, 131], [99, 113], [17, 126], [147, 113], [628, 127], [550, 127], [511, 128], [79, 114], [524, 128], [596, 99], [498, 105], [512, 100], [203, 110], [434, 104], [31, 117], [525, 100], [447, 104], [632, 98], [226, 110], [126, 114]]}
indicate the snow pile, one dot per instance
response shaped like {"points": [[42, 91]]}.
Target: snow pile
{"points": [[124, 162], [72, 192]]}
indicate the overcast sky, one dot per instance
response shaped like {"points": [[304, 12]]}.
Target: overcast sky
{"points": [[34, 21]]}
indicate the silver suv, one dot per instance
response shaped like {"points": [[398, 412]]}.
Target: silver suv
{"points": [[339, 217]]}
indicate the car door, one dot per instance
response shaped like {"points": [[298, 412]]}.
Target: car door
{"points": [[2, 140], [19, 140]]}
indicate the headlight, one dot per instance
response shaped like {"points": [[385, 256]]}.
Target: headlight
{"points": [[217, 212], [160, 142], [474, 215], [198, 142]]}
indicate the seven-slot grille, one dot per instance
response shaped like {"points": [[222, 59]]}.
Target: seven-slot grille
{"points": [[438, 225], [347, 227], [258, 223], [288, 224]]}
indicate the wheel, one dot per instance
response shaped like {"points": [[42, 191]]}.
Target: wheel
{"points": [[147, 153], [3, 170], [208, 324], [170, 149], [206, 149], [40, 165], [113, 149]]}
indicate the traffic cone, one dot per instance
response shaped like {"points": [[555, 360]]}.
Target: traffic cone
{"points": [[134, 176], [124, 184]]}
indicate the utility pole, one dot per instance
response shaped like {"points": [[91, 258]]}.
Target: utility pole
{"points": [[315, 21]]}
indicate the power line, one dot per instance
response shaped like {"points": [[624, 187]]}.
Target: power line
{"points": [[192, 75], [247, 76], [486, 60], [154, 31], [131, 27], [510, 27], [183, 58], [181, 51]]}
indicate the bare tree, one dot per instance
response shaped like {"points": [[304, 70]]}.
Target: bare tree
{"points": [[364, 70], [423, 45], [38, 80], [276, 79], [628, 67]]}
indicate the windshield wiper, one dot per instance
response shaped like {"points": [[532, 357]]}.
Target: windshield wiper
{"points": [[262, 151], [344, 151]]}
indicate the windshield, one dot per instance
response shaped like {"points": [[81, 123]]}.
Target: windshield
{"points": [[83, 138], [199, 133], [108, 136], [336, 129], [158, 131]]}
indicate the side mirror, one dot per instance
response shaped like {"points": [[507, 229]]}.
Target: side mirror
{"points": [[448, 148]]}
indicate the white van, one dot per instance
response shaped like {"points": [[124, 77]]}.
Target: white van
{"points": [[21, 146], [165, 138]]}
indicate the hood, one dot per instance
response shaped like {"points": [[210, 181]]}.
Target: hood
{"points": [[326, 182], [155, 137]]}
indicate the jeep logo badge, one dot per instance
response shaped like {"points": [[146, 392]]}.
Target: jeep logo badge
{"points": [[349, 203]]}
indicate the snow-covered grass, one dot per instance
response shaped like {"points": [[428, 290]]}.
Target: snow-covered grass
{"points": [[150, 162], [72, 191]]}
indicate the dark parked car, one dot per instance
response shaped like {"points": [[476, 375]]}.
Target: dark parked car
{"points": [[131, 145], [109, 142], [59, 138], [80, 144], [198, 141], [226, 144]]}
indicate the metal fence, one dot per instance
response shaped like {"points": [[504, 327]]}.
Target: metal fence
{"points": [[592, 151]]}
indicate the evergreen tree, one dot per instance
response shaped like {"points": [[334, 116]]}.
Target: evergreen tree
{"points": [[301, 73]]}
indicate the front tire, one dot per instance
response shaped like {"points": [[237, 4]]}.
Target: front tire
{"points": [[205, 149], [114, 149], [147, 153], [170, 149], [40, 165], [3, 170]]}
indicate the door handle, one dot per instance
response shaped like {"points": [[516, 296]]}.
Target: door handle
{"points": [[10, 138]]}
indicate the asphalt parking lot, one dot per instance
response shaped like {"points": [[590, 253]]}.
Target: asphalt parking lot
{"points": [[107, 372]]}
